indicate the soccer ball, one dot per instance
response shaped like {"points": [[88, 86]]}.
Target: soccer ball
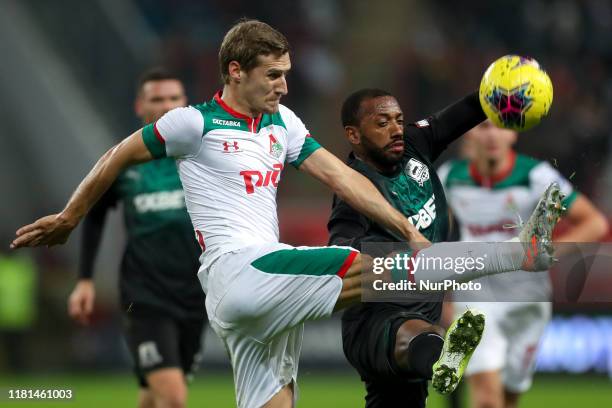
{"points": [[515, 92]]}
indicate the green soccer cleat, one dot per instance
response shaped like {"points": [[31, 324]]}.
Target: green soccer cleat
{"points": [[460, 341], [536, 234]]}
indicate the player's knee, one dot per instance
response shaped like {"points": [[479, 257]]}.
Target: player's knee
{"points": [[412, 328], [417, 346]]}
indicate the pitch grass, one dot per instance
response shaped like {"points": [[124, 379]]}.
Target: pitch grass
{"points": [[213, 389]]}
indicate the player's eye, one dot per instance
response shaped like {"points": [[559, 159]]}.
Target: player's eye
{"points": [[400, 121], [383, 124]]}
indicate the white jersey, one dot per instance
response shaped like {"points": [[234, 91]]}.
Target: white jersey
{"points": [[485, 208], [230, 166]]}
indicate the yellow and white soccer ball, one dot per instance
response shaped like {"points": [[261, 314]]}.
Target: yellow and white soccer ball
{"points": [[515, 92]]}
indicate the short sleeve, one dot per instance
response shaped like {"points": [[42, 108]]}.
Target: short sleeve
{"points": [[176, 134], [300, 144], [543, 174]]}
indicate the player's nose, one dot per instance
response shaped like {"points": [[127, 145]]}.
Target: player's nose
{"points": [[281, 86], [397, 130]]}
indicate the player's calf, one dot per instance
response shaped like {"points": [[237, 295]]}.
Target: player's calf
{"points": [[532, 250]]}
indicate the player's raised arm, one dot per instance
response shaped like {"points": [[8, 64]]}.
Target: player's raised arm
{"points": [[433, 135], [54, 229], [359, 193]]}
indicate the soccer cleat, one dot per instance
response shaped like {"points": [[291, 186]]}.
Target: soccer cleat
{"points": [[536, 235], [460, 341]]}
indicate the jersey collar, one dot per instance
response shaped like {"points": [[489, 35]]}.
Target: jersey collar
{"points": [[487, 181], [252, 123]]}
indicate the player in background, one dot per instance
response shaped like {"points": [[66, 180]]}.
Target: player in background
{"points": [[230, 153], [485, 193], [161, 299]]}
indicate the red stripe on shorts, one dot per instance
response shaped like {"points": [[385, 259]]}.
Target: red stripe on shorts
{"points": [[347, 264], [201, 240]]}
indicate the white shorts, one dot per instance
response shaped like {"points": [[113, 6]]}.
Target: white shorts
{"points": [[257, 301], [510, 340]]}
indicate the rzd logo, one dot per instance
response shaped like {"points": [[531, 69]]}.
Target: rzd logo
{"points": [[263, 179]]}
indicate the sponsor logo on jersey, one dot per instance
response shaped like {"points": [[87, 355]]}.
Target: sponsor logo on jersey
{"points": [[223, 122], [426, 214], [417, 171], [230, 147], [256, 178], [159, 201], [148, 355], [276, 149]]}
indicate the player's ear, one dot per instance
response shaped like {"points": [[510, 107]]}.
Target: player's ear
{"points": [[352, 134], [234, 71]]}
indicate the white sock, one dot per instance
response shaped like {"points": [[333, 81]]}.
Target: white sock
{"points": [[449, 260]]}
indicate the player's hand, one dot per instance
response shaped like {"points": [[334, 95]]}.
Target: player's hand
{"points": [[47, 231], [81, 301]]}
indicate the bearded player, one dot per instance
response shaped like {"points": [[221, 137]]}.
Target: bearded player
{"points": [[161, 300], [485, 193], [230, 153], [395, 346]]}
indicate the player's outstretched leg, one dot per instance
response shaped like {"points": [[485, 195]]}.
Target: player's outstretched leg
{"points": [[532, 250], [461, 340], [536, 234]]}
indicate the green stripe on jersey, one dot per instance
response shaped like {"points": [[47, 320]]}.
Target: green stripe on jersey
{"points": [[215, 117], [315, 261], [520, 173], [308, 148], [273, 119], [155, 146], [459, 174]]}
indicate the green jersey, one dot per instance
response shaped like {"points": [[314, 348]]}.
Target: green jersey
{"points": [[160, 262], [414, 189]]}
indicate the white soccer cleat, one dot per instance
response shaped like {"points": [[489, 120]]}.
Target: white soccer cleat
{"points": [[460, 341], [536, 235]]}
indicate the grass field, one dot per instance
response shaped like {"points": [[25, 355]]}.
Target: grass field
{"points": [[317, 390]]}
